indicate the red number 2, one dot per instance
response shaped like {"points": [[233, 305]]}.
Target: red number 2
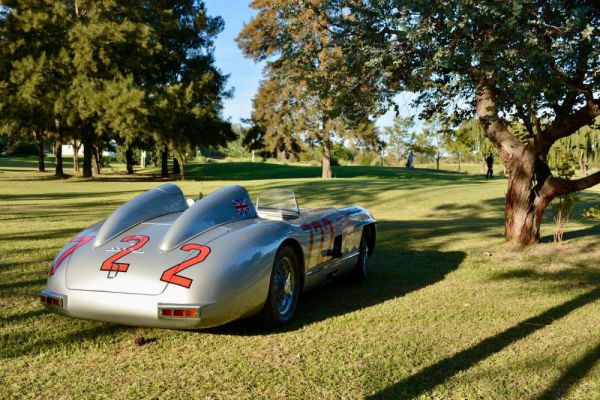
{"points": [[80, 242], [111, 264], [171, 276]]}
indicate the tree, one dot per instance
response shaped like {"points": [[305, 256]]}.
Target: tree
{"points": [[473, 134], [280, 116], [111, 46], [296, 39], [138, 72], [398, 135], [186, 102], [458, 142], [34, 71], [585, 146], [531, 62]]}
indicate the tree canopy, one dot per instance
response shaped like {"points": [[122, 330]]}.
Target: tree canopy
{"points": [[528, 63], [134, 71], [308, 70]]}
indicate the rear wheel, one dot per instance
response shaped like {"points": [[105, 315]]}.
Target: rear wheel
{"points": [[359, 273], [284, 289]]}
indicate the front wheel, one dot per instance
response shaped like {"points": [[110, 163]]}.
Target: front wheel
{"points": [[284, 289], [359, 273]]}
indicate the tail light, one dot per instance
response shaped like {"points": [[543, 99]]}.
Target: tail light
{"points": [[52, 299], [178, 311]]}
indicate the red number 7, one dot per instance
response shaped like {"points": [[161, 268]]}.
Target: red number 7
{"points": [[80, 242]]}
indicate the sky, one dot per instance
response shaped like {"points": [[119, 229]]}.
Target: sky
{"points": [[245, 74]]}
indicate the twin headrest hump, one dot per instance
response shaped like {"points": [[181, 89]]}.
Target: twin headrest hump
{"points": [[163, 200], [229, 204]]}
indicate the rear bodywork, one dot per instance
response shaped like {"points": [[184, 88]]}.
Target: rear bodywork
{"points": [[158, 262]]}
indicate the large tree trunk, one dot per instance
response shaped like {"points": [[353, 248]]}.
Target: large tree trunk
{"points": [[87, 156], [129, 160], [326, 172], [176, 166], [525, 198], [527, 173], [164, 162], [96, 159], [39, 137]]}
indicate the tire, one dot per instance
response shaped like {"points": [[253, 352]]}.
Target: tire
{"points": [[284, 289], [360, 271]]}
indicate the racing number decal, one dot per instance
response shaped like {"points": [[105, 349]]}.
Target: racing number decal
{"points": [[171, 276], [328, 224], [80, 242], [111, 264], [319, 226]]}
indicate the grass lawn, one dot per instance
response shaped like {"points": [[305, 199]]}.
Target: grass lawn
{"points": [[449, 310]]}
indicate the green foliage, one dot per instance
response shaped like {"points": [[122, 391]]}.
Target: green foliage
{"points": [[563, 160], [340, 152], [592, 212], [139, 72], [584, 146], [120, 158], [398, 136], [367, 158], [563, 207], [307, 80], [442, 49], [18, 146]]}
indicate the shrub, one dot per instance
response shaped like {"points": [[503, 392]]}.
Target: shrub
{"points": [[592, 212]]}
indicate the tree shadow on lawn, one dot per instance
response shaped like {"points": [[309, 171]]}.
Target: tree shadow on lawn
{"points": [[252, 171], [580, 276], [570, 235], [75, 196], [28, 346], [23, 316], [436, 374], [575, 373]]}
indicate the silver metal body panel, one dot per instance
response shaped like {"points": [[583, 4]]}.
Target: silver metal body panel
{"points": [[211, 256]]}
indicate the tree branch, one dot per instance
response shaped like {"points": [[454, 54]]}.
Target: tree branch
{"points": [[563, 127], [554, 187], [526, 121], [493, 126]]}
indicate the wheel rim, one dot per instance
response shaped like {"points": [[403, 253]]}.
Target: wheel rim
{"points": [[284, 284]]}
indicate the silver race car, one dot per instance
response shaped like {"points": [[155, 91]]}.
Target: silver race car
{"points": [[161, 260]]}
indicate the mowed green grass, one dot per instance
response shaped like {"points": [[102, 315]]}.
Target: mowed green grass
{"points": [[449, 310]]}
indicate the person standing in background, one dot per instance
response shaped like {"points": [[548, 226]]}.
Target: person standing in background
{"points": [[490, 165], [410, 159]]}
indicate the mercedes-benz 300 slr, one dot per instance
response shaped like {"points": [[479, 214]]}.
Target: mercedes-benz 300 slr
{"points": [[163, 261]]}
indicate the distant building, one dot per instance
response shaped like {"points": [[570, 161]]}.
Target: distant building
{"points": [[68, 150]]}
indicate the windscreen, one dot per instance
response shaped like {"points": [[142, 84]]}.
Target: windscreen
{"points": [[278, 200]]}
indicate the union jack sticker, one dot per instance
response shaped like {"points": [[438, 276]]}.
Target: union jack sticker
{"points": [[241, 207]]}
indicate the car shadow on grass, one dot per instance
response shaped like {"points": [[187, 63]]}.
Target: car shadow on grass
{"points": [[413, 270], [394, 270]]}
